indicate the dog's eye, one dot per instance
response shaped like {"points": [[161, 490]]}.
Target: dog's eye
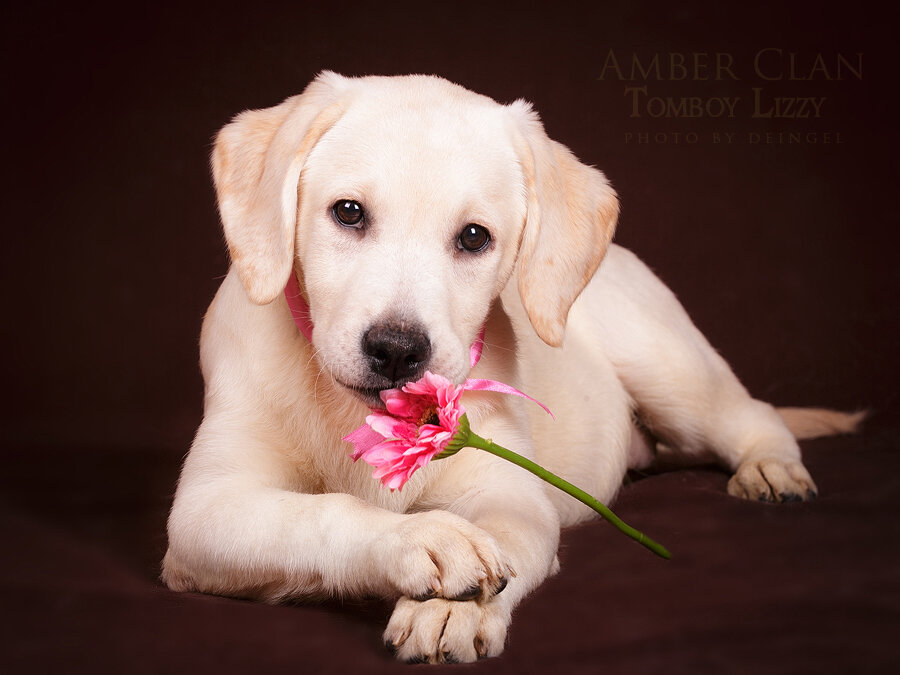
{"points": [[474, 238], [348, 213]]}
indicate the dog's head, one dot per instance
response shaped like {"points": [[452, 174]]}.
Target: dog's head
{"points": [[405, 205]]}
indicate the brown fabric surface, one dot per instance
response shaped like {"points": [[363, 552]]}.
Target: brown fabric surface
{"points": [[783, 253], [751, 587]]}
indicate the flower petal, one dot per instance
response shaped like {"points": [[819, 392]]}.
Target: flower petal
{"points": [[409, 446], [391, 427], [363, 439]]}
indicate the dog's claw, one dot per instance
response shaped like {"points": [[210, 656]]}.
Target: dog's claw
{"points": [[471, 593], [480, 647], [772, 480], [431, 593], [447, 657]]}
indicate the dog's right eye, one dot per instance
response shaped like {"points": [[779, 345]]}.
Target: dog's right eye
{"points": [[348, 213]]}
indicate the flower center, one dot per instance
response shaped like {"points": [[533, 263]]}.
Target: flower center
{"points": [[430, 416]]}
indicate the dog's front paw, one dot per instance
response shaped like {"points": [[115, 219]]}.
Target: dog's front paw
{"points": [[772, 480], [438, 554], [446, 631]]}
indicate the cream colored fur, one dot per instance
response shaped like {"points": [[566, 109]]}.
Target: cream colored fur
{"points": [[269, 504]]}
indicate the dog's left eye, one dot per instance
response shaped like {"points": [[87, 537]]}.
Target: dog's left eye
{"points": [[474, 238], [348, 213]]}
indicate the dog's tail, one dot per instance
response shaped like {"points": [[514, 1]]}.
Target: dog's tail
{"points": [[816, 422]]}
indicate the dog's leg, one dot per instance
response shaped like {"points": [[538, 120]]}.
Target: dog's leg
{"points": [[684, 391], [237, 528], [509, 504], [240, 526]]}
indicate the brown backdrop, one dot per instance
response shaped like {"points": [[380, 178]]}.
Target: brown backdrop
{"points": [[782, 251]]}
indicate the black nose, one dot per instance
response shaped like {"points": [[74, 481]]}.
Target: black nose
{"points": [[396, 351]]}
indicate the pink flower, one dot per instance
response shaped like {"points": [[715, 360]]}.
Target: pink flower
{"points": [[419, 422], [424, 420]]}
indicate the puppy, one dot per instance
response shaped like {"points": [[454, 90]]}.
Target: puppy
{"points": [[414, 214]]}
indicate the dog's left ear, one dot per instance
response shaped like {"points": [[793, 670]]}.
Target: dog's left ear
{"points": [[571, 217]]}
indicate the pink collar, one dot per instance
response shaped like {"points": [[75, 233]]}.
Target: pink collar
{"points": [[301, 315], [299, 308]]}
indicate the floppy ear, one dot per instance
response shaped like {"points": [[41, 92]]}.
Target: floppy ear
{"points": [[256, 163], [571, 217]]}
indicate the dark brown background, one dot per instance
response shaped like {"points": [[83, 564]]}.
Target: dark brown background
{"points": [[783, 254]]}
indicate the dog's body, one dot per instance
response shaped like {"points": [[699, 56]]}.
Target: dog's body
{"points": [[270, 505]]}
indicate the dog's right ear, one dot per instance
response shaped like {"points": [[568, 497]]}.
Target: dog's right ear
{"points": [[256, 164]]}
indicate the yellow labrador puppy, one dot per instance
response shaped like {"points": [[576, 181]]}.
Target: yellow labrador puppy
{"points": [[414, 213]]}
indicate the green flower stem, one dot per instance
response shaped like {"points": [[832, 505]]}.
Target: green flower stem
{"points": [[476, 441]]}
